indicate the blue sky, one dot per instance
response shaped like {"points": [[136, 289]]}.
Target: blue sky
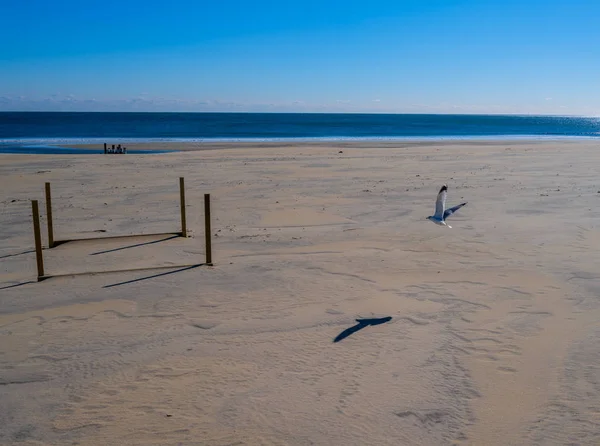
{"points": [[415, 56]]}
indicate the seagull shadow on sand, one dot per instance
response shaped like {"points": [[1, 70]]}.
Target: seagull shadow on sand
{"points": [[362, 323]]}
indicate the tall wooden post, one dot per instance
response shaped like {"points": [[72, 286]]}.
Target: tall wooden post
{"points": [[182, 205], [49, 216], [38, 239], [207, 230], [105, 148]]}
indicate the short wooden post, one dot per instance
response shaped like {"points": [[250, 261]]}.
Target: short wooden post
{"points": [[105, 148], [182, 205], [49, 216], [38, 239], [207, 230]]}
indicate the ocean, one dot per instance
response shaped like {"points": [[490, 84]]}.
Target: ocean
{"points": [[39, 131]]}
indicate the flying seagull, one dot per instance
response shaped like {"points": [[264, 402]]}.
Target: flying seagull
{"points": [[441, 213]]}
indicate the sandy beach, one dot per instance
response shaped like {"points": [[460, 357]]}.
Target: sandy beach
{"points": [[494, 336]]}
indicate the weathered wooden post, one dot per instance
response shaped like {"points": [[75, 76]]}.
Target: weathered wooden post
{"points": [[182, 205], [49, 216], [207, 230], [38, 239]]}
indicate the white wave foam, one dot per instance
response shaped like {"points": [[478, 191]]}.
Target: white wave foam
{"points": [[72, 141]]}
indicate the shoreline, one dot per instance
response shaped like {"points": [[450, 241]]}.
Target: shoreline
{"points": [[172, 146]]}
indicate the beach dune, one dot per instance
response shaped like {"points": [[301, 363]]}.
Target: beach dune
{"points": [[493, 337]]}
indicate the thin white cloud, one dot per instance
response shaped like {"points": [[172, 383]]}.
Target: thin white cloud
{"points": [[71, 102]]}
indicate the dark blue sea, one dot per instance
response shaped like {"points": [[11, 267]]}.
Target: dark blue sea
{"points": [[55, 131]]}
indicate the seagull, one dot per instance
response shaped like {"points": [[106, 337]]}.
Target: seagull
{"points": [[441, 213]]}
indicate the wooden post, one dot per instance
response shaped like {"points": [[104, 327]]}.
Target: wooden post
{"points": [[105, 148], [182, 205], [38, 239], [49, 216], [207, 230]]}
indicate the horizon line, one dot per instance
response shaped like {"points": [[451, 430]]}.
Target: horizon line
{"points": [[309, 113]]}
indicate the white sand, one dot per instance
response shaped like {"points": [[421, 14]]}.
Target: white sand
{"points": [[494, 337]]}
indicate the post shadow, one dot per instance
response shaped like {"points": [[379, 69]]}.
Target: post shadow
{"points": [[17, 284], [154, 275], [134, 246], [362, 323], [17, 254]]}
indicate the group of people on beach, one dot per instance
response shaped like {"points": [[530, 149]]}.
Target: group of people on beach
{"points": [[114, 149]]}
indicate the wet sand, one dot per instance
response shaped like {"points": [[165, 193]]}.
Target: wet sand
{"points": [[493, 340]]}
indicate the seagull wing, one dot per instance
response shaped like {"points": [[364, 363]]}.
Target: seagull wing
{"points": [[451, 211], [440, 203]]}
